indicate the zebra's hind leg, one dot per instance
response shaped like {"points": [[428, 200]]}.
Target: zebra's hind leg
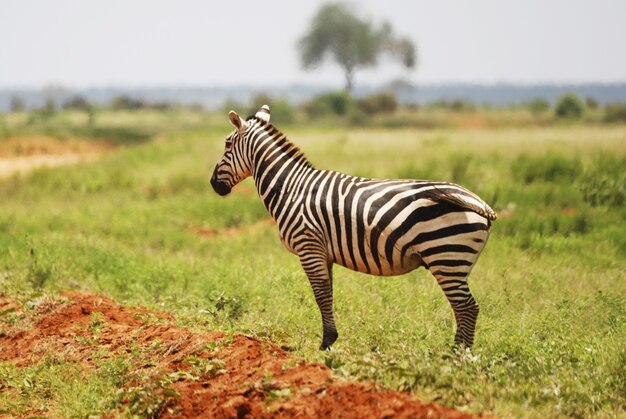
{"points": [[465, 313], [319, 272], [464, 306]]}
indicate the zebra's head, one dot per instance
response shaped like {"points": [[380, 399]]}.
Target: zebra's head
{"points": [[236, 164]]}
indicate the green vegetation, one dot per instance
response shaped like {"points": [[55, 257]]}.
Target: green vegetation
{"points": [[551, 281], [570, 106]]}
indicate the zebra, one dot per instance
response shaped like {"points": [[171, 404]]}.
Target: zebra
{"points": [[379, 227]]}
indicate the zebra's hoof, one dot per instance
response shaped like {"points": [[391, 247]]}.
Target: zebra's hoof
{"points": [[330, 336]]}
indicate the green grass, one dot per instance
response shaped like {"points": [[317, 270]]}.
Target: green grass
{"points": [[550, 282]]}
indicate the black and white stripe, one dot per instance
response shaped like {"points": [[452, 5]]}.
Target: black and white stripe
{"points": [[380, 227]]}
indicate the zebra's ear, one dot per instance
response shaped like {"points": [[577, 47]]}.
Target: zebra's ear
{"points": [[264, 113], [237, 121]]}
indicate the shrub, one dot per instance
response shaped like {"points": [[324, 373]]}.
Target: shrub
{"points": [[569, 106], [338, 103], [281, 109], [126, 103], [257, 101], [78, 103], [378, 103], [615, 112], [456, 105], [538, 106]]}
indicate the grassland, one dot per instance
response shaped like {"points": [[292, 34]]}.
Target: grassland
{"points": [[551, 283]]}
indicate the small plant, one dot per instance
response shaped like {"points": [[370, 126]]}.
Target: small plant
{"points": [[231, 308], [149, 399], [206, 368], [40, 270], [93, 330]]}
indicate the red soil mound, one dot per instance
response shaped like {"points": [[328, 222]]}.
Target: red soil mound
{"points": [[240, 375]]}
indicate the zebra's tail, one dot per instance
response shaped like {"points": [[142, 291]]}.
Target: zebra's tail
{"points": [[459, 196]]}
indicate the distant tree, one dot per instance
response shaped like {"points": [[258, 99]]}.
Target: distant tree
{"points": [[403, 89], [591, 103], [569, 106], [49, 108], [352, 43], [126, 103], [77, 103], [53, 94], [378, 103], [162, 105], [17, 104]]}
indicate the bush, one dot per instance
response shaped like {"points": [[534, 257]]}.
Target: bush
{"points": [[281, 110], [123, 102], [338, 103], [538, 106], [378, 103], [78, 103], [615, 112], [570, 106], [456, 105]]}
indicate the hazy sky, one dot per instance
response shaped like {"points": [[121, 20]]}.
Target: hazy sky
{"points": [[200, 42]]}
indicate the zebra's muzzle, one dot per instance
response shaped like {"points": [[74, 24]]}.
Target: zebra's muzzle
{"points": [[221, 188]]}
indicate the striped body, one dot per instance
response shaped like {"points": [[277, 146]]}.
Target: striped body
{"points": [[379, 227]]}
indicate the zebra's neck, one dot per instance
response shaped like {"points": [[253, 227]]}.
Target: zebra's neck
{"points": [[277, 163]]}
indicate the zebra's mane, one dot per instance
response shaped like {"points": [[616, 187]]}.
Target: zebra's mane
{"points": [[268, 126]]}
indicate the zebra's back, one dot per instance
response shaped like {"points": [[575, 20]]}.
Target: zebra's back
{"points": [[390, 227]]}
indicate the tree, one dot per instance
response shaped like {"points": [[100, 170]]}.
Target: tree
{"points": [[77, 103], [351, 42], [17, 104]]}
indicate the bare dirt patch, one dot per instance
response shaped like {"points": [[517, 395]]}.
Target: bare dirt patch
{"points": [[241, 375], [22, 154]]}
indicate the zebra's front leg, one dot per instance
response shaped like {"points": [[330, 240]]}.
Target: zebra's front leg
{"points": [[319, 272]]}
